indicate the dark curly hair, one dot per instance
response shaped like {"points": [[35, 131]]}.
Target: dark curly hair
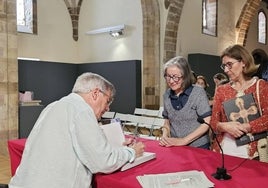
{"points": [[261, 59]]}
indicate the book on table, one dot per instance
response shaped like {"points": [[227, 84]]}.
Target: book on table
{"points": [[116, 137], [243, 109], [183, 179]]}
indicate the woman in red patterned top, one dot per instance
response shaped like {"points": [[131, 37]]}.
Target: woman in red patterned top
{"points": [[239, 65]]}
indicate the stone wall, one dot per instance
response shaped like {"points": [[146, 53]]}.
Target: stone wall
{"points": [[8, 74]]}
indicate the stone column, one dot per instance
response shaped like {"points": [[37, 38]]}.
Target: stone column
{"points": [[8, 74]]}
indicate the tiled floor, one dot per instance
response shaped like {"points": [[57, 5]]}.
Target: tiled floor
{"points": [[5, 172]]}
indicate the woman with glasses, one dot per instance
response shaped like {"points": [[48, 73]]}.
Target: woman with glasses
{"points": [[184, 103], [239, 65]]}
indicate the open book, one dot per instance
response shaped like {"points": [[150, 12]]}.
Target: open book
{"points": [[115, 136]]}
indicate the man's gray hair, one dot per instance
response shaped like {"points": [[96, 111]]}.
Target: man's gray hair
{"points": [[89, 81]]}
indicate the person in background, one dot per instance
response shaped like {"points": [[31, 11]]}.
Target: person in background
{"points": [[239, 65], [220, 79], [183, 104], [261, 59], [194, 77], [201, 81], [67, 146]]}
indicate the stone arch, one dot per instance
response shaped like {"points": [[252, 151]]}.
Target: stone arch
{"points": [[171, 29], [151, 46], [249, 10], [74, 10]]}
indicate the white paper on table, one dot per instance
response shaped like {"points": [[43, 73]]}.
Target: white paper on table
{"points": [[184, 179]]}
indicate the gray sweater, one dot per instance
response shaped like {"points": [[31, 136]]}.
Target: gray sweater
{"points": [[184, 121]]}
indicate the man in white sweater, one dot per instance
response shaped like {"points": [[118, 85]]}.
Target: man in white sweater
{"points": [[67, 146]]}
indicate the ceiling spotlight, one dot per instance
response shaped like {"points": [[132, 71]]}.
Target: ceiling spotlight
{"points": [[116, 33]]}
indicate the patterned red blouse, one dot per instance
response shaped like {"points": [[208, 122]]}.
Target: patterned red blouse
{"points": [[226, 92]]}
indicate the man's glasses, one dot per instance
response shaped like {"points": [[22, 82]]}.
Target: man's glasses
{"points": [[174, 78], [109, 101], [229, 65]]}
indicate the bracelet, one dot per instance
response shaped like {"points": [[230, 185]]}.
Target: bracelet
{"points": [[167, 128], [164, 128]]}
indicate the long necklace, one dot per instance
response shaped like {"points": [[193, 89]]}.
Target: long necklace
{"points": [[240, 93], [244, 86]]}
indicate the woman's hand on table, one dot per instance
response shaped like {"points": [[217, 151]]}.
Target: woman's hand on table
{"points": [[167, 142]]}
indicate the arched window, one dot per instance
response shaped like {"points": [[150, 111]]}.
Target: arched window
{"points": [[26, 16], [209, 17], [262, 27]]}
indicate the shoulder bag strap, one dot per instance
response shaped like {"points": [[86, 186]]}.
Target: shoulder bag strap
{"points": [[258, 95], [262, 143]]}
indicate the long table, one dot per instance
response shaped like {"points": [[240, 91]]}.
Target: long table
{"points": [[245, 173]]}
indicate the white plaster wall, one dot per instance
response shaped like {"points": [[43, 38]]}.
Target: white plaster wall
{"points": [[97, 14], [190, 37], [54, 41], [228, 14]]}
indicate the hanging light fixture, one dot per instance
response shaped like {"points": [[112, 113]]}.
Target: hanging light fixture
{"points": [[114, 31]]}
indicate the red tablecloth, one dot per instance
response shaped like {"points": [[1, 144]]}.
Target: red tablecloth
{"points": [[15, 148], [245, 173]]}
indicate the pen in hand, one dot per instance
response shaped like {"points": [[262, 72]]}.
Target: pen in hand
{"points": [[132, 140], [135, 138], [135, 144]]}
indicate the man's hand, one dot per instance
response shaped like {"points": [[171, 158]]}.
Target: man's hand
{"points": [[138, 147], [129, 142]]}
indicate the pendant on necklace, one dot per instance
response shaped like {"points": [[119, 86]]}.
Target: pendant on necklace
{"points": [[240, 93]]}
